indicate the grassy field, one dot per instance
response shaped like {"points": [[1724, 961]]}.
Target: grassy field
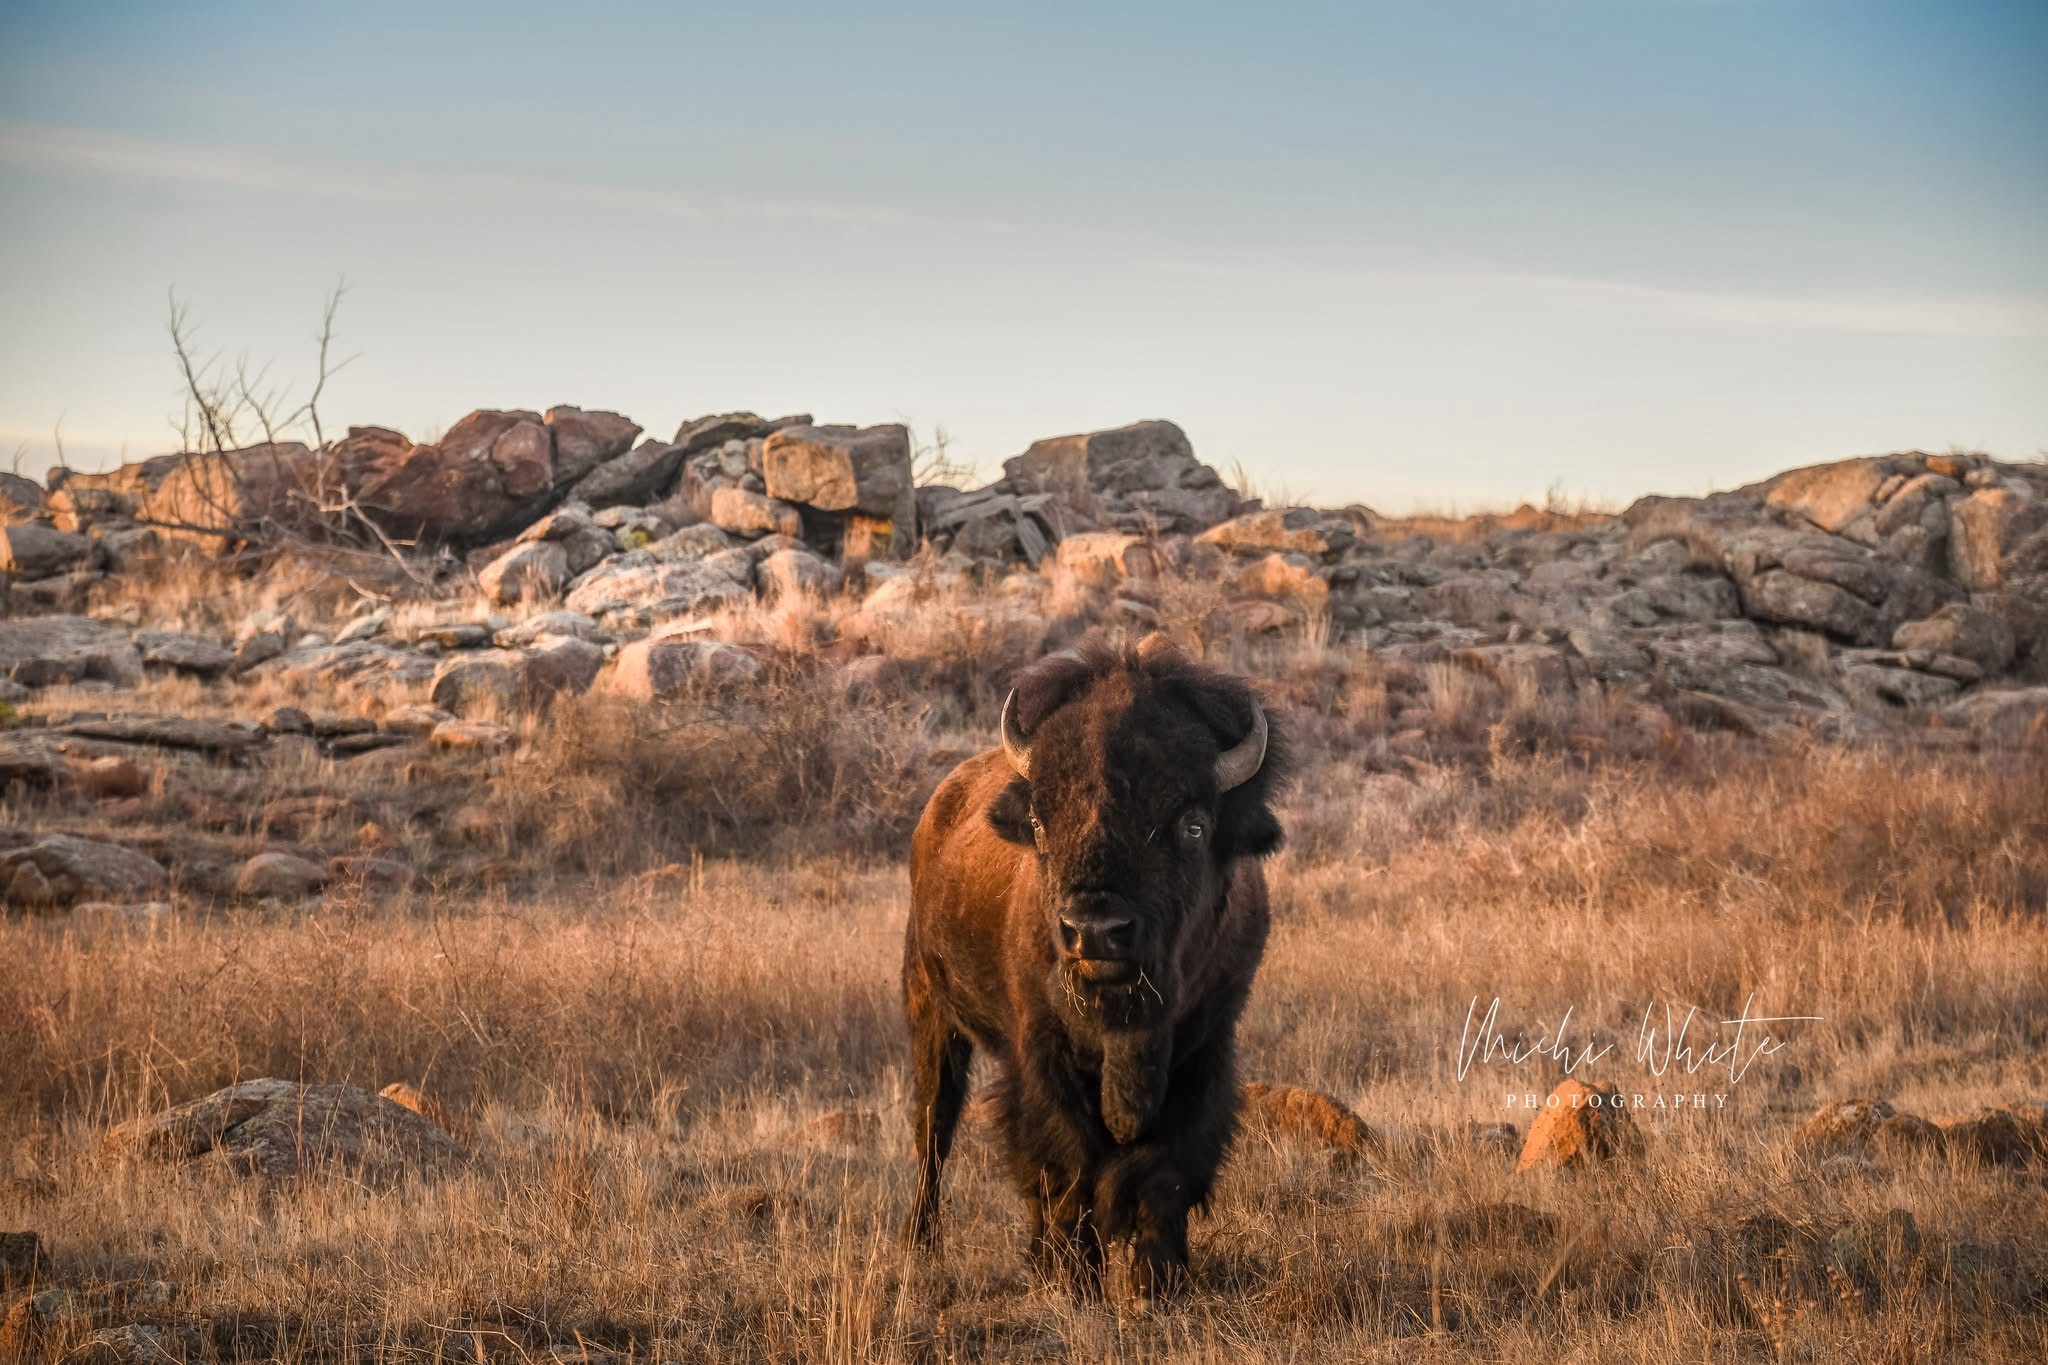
{"points": [[680, 1075]]}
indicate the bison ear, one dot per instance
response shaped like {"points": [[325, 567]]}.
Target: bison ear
{"points": [[1010, 813], [1249, 832]]}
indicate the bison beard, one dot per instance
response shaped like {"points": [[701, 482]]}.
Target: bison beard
{"points": [[1087, 907]]}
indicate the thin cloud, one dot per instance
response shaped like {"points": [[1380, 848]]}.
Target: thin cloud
{"points": [[1902, 314], [40, 147], [36, 147]]}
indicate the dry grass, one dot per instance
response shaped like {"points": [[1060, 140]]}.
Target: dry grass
{"points": [[632, 1054]]}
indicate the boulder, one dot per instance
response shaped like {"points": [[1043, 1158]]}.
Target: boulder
{"points": [[77, 501], [844, 469], [222, 501], [416, 721], [794, 572], [226, 738], [1107, 558], [279, 876], [1905, 1136], [128, 549], [584, 440], [1310, 1117], [575, 529], [1284, 577], [1993, 1137], [31, 759], [569, 623], [638, 583], [59, 869], [1828, 584], [472, 737], [557, 664], [112, 777], [288, 720], [420, 1102], [33, 549], [492, 680], [1581, 1125], [750, 514], [1301, 530], [280, 1128], [1831, 496], [21, 499], [706, 433], [1891, 679], [368, 626], [39, 651], [1842, 1126], [537, 570], [492, 471], [1141, 476], [1963, 630], [58, 649], [193, 654], [259, 647], [640, 474], [989, 523], [454, 634], [1987, 526], [691, 542], [365, 666], [2008, 715], [656, 669]]}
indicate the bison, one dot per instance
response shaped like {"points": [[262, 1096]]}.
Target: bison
{"points": [[1087, 906]]}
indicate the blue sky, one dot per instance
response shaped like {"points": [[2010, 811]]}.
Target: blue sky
{"points": [[1452, 253]]}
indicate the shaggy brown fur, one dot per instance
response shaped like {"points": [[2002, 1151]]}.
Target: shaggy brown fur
{"points": [[1095, 930]]}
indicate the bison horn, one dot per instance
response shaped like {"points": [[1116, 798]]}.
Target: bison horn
{"points": [[1235, 765], [1014, 747]]}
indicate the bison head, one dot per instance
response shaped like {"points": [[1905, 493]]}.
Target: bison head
{"points": [[1141, 778]]}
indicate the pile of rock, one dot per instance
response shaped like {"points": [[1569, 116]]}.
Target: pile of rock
{"points": [[1830, 597]]}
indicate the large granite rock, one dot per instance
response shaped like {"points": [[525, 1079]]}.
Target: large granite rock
{"points": [[492, 471], [63, 869], [841, 469], [1142, 477], [40, 651], [280, 1128], [34, 549], [585, 440], [631, 479], [20, 498]]}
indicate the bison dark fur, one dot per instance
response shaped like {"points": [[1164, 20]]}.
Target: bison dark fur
{"points": [[1094, 927]]}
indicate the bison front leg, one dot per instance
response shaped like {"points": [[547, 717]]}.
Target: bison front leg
{"points": [[1135, 1067], [1066, 1243], [1147, 1190]]}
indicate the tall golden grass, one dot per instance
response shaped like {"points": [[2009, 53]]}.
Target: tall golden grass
{"points": [[693, 955]]}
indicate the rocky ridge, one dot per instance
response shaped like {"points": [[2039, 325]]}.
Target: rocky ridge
{"points": [[1840, 596]]}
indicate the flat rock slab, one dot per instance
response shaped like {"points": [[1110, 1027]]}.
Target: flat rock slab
{"points": [[61, 869], [280, 1128], [29, 758], [39, 651], [171, 732], [192, 654]]}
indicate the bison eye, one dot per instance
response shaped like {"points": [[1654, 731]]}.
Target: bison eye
{"points": [[1194, 827]]}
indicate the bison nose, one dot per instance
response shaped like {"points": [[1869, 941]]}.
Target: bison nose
{"points": [[1095, 935]]}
